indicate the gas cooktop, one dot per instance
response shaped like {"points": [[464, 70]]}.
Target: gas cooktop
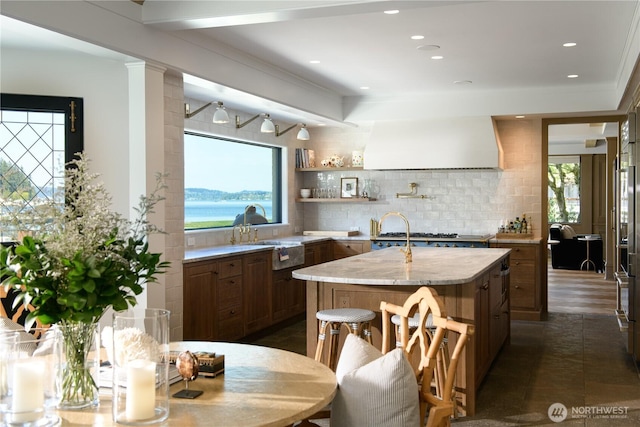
{"points": [[430, 236], [403, 235]]}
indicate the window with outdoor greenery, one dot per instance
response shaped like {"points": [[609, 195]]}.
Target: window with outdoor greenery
{"points": [[564, 189], [223, 177], [37, 139]]}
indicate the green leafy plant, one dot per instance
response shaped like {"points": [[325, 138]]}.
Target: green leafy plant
{"points": [[81, 259], [86, 257]]}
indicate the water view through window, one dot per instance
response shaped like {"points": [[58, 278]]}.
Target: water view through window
{"points": [[223, 177]]}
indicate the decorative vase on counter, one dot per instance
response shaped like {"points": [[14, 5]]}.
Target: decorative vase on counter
{"points": [[81, 354]]}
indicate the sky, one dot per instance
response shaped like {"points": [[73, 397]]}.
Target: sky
{"points": [[226, 166]]}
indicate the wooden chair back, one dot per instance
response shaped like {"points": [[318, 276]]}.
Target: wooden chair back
{"points": [[435, 375]]}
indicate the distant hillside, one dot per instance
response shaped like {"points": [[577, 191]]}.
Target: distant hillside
{"points": [[192, 194]]}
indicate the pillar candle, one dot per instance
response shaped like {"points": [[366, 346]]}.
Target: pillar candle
{"points": [[28, 391], [141, 389]]}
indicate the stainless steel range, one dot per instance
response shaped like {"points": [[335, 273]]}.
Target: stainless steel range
{"points": [[438, 240]]}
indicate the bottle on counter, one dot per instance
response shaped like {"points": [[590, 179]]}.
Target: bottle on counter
{"points": [[524, 223]]}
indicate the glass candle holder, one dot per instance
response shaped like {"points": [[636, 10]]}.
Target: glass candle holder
{"points": [[139, 355], [30, 377]]}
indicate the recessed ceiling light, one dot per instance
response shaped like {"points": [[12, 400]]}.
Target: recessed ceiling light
{"points": [[572, 76], [569, 44], [391, 12], [462, 82], [519, 117], [364, 87], [437, 57], [428, 47], [314, 61], [417, 37]]}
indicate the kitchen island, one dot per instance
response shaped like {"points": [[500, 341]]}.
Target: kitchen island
{"points": [[473, 284]]}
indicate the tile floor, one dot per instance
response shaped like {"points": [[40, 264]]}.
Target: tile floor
{"points": [[578, 360]]}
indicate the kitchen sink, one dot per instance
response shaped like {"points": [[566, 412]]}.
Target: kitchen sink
{"points": [[285, 254]]}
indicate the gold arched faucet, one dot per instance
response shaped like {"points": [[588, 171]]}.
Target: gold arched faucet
{"points": [[408, 257]]}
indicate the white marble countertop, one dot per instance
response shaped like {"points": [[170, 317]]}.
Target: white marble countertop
{"points": [[202, 254], [430, 266]]}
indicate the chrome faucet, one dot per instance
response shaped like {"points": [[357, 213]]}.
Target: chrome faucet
{"points": [[408, 256]]}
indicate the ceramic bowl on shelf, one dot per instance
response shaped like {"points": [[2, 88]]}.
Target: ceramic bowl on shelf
{"points": [[305, 193]]}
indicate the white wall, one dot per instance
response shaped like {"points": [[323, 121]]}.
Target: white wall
{"points": [[103, 86]]}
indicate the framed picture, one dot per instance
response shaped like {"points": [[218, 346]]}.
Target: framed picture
{"points": [[349, 187]]}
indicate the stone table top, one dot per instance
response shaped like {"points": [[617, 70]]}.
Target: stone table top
{"points": [[430, 267]]}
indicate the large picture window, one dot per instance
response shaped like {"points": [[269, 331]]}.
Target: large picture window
{"points": [[223, 178], [564, 174]]}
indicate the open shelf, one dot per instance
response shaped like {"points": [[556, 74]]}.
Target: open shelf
{"points": [[329, 169]]}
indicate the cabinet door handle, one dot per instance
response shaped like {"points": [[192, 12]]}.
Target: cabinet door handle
{"points": [[485, 286], [231, 264], [233, 312], [517, 287]]}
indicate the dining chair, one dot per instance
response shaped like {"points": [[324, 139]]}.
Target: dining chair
{"points": [[16, 313], [424, 349]]}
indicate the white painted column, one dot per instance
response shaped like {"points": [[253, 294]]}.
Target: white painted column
{"points": [[147, 157]]}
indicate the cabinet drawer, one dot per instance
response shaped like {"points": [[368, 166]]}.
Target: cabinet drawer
{"points": [[523, 252], [522, 294], [230, 267], [229, 292], [229, 325]]}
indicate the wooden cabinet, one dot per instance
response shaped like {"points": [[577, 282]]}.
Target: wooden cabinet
{"points": [[199, 305], [492, 326], [289, 295], [347, 248], [229, 324], [318, 252], [525, 285], [256, 268], [213, 300]]}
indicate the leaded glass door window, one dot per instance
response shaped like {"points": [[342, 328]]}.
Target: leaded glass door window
{"points": [[38, 136]]}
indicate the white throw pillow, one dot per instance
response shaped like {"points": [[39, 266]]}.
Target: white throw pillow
{"points": [[374, 390], [568, 232], [26, 341]]}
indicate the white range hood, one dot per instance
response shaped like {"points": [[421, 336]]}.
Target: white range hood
{"points": [[446, 143]]}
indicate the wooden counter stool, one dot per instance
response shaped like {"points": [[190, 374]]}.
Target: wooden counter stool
{"points": [[357, 321]]}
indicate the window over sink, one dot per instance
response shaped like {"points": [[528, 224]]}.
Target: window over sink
{"points": [[223, 176]]}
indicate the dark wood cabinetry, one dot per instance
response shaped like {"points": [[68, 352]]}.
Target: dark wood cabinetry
{"points": [[231, 297], [200, 280], [288, 295], [318, 252], [229, 325], [256, 291]]}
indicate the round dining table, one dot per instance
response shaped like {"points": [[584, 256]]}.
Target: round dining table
{"points": [[260, 386]]}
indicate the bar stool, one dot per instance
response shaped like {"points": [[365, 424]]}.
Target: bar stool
{"points": [[357, 321]]}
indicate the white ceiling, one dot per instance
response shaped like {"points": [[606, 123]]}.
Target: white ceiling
{"points": [[503, 48]]}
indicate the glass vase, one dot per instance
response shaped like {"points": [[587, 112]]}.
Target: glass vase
{"points": [[81, 352], [140, 360]]}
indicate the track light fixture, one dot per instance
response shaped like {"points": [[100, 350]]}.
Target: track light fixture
{"points": [[266, 127], [220, 116], [303, 133]]}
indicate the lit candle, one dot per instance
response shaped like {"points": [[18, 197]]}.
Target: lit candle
{"points": [[141, 390], [28, 391]]}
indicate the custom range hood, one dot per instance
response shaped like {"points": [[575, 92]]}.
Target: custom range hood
{"points": [[447, 143]]}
